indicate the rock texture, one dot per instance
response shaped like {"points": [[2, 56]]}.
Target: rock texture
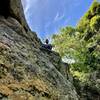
{"points": [[91, 89], [26, 72]]}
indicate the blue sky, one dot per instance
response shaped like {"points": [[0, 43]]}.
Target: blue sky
{"points": [[47, 16]]}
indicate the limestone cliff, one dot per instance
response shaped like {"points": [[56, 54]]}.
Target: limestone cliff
{"points": [[26, 72]]}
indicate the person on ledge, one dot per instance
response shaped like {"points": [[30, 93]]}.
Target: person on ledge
{"points": [[47, 45]]}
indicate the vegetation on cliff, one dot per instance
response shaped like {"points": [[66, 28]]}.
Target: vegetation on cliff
{"points": [[82, 45]]}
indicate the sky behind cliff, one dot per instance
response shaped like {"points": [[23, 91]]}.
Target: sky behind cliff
{"points": [[46, 16]]}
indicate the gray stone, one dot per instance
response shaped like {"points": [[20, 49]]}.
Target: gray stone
{"points": [[30, 72]]}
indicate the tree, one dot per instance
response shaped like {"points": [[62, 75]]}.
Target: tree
{"points": [[84, 23], [95, 23], [80, 43]]}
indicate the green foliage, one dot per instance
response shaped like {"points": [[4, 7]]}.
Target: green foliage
{"points": [[83, 24], [95, 23], [68, 30], [67, 35], [95, 8], [69, 45], [80, 43], [86, 20], [83, 45]]}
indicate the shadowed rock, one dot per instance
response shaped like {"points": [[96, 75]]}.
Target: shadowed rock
{"points": [[5, 8]]}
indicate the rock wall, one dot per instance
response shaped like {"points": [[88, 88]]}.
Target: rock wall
{"points": [[16, 10], [26, 72]]}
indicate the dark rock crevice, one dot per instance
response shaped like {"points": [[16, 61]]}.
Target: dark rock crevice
{"points": [[5, 8]]}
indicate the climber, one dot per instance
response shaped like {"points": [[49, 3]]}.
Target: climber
{"points": [[47, 45]]}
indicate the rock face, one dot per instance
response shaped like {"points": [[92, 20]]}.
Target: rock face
{"points": [[26, 72], [91, 89]]}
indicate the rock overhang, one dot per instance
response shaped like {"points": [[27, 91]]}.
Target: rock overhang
{"points": [[5, 8], [13, 8]]}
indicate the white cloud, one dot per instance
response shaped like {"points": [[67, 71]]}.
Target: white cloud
{"points": [[58, 16], [26, 5]]}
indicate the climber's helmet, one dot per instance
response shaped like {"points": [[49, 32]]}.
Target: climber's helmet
{"points": [[46, 41]]}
